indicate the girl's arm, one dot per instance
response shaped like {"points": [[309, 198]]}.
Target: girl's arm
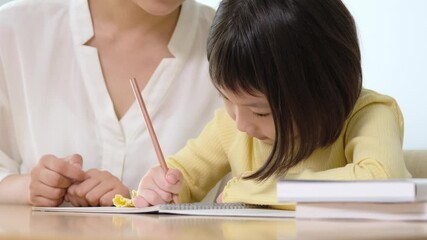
{"points": [[203, 161], [372, 147]]}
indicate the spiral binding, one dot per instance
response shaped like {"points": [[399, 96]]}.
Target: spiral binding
{"points": [[207, 206]]}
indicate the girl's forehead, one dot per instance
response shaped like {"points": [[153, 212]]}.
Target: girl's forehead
{"points": [[256, 99]]}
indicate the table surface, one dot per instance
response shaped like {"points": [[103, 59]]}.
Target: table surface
{"points": [[20, 222]]}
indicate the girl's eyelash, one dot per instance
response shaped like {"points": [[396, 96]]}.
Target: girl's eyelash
{"points": [[222, 96], [262, 115]]}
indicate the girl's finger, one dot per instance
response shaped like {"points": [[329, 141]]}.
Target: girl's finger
{"points": [[140, 202], [170, 182], [152, 198]]}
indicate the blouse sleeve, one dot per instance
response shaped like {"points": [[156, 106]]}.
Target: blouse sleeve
{"points": [[8, 165]]}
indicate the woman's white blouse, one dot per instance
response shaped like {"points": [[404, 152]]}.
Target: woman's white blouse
{"points": [[54, 100]]}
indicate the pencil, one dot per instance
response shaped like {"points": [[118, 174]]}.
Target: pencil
{"points": [[148, 123]]}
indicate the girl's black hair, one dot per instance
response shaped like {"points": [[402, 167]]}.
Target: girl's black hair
{"points": [[303, 55]]}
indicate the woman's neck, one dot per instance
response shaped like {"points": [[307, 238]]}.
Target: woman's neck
{"points": [[112, 17]]}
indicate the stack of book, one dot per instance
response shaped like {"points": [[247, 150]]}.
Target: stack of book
{"points": [[391, 200]]}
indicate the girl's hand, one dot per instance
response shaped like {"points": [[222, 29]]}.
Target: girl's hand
{"points": [[219, 198], [97, 189], [51, 177], [158, 187]]}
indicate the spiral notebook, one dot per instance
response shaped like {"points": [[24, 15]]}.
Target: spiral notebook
{"points": [[199, 209]]}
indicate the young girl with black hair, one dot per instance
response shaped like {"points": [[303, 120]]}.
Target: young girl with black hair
{"points": [[289, 72]]}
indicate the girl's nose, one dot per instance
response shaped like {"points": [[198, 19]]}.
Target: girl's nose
{"points": [[242, 122]]}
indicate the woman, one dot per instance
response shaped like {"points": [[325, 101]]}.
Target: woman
{"points": [[69, 126]]}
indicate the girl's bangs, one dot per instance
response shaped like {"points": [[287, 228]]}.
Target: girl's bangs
{"points": [[233, 64]]}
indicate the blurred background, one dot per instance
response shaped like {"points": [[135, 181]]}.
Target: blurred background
{"points": [[393, 39]]}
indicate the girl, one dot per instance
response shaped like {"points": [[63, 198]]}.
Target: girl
{"points": [[64, 91], [289, 73]]}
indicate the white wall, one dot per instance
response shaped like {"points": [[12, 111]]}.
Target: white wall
{"points": [[4, 1], [393, 38], [212, 3]]}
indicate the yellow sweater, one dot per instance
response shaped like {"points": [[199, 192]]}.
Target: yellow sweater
{"points": [[369, 147]]}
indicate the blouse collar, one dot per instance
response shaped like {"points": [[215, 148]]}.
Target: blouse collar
{"points": [[179, 45]]}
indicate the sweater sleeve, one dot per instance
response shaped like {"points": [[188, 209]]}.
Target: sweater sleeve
{"points": [[254, 192], [203, 162], [250, 191], [372, 146]]}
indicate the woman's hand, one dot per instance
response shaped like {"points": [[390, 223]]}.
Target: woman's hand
{"points": [[51, 177], [158, 187], [97, 189]]}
